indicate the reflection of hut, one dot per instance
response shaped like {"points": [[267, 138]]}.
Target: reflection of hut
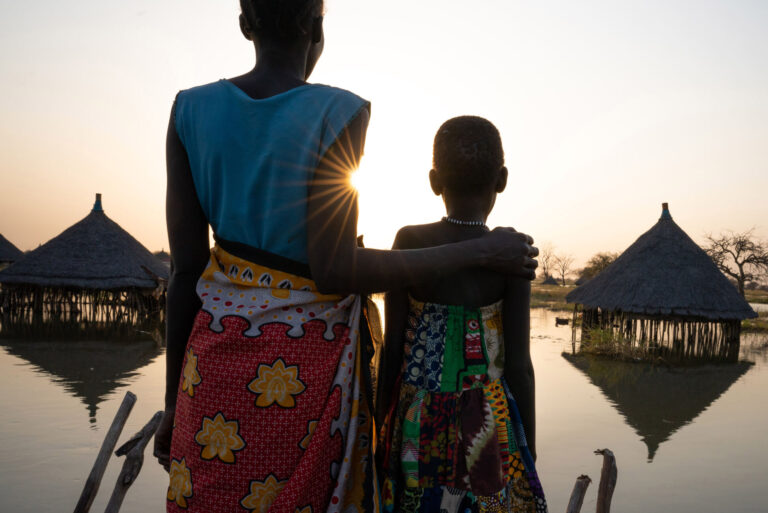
{"points": [[8, 252], [658, 401], [93, 272], [550, 280], [665, 293], [89, 370]]}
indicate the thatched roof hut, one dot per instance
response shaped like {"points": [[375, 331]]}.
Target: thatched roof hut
{"points": [[95, 253], [8, 252], [663, 286], [550, 280], [94, 264]]}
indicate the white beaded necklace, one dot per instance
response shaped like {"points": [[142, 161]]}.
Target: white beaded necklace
{"points": [[463, 223]]}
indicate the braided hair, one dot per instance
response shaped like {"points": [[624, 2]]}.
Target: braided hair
{"points": [[467, 152], [280, 19]]}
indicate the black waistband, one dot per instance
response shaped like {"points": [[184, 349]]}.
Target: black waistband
{"points": [[265, 258]]}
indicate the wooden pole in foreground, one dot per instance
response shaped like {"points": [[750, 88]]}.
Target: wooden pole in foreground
{"points": [[578, 493], [97, 472], [608, 477], [133, 450]]}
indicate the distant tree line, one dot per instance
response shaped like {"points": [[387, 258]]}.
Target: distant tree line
{"points": [[741, 256]]}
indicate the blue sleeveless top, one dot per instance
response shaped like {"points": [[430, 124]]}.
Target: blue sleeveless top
{"points": [[252, 160]]}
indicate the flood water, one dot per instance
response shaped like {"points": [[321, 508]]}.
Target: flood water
{"points": [[686, 441]]}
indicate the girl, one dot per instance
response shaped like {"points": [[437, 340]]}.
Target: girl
{"points": [[456, 353], [264, 368]]}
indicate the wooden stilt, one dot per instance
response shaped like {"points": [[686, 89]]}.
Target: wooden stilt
{"points": [[133, 450], [578, 493], [97, 472], [608, 476]]}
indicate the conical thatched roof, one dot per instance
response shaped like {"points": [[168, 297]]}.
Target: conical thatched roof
{"points": [[9, 252], [95, 253], [664, 273], [550, 280], [656, 401]]}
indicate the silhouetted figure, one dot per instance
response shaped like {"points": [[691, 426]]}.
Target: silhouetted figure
{"points": [[456, 377]]}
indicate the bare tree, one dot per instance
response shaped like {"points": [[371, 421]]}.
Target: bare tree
{"points": [[739, 255], [562, 264], [546, 259]]}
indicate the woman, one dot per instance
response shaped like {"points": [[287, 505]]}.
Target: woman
{"points": [[264, 385]]}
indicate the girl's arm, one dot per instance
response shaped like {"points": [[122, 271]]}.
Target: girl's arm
{"points": [[189, 246], [338, 265], [518, 368], [396, 315]]}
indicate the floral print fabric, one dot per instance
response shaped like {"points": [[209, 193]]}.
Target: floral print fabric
{"points": [[454, 441], [271, 412]]}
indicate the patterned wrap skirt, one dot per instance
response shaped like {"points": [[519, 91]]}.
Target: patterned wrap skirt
{"points": [[453, 441], [272, 413]]}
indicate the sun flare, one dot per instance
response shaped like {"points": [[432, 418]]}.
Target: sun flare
{"points": [[356, 179]]}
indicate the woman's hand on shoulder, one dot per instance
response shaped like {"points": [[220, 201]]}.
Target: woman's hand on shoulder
{"points": [[510, 252]]}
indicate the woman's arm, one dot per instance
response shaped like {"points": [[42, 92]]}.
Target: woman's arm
{"points": [[188, 239], [518, 368], [338, 265], [190, 252]]}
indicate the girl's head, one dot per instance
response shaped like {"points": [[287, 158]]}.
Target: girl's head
{"points": [[468, 160], [290, 24]]}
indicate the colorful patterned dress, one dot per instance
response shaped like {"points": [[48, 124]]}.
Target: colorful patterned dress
{"points": [[454, 441], [272, 413]]}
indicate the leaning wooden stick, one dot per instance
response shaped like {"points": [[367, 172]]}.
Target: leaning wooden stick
{"points": [[133, 450], [578, 493], [608, 477], [97, 472]]}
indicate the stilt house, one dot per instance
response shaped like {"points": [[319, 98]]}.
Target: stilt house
{"points": [[93, 273], [664, 294], [550, 280]]}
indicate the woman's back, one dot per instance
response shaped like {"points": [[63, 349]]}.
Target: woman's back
{"points": [[252, 160]]}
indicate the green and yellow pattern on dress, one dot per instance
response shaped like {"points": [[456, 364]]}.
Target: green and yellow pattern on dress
{"points": [[409, 456], [455, 440]]}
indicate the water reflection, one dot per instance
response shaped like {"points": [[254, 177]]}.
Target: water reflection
{"points": [[754, 347], [89, 370], [657, 401]]}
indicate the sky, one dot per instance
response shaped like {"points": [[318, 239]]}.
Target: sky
{"points": [[606, 109]]}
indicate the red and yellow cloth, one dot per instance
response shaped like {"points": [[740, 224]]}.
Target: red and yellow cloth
{"points": [[272, 413]]}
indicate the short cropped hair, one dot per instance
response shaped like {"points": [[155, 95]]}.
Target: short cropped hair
{"points": [[467, 152], [280, 19]]}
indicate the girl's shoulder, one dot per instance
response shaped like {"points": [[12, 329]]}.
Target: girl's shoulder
{"points": [[434, 234], [414, 236]]}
